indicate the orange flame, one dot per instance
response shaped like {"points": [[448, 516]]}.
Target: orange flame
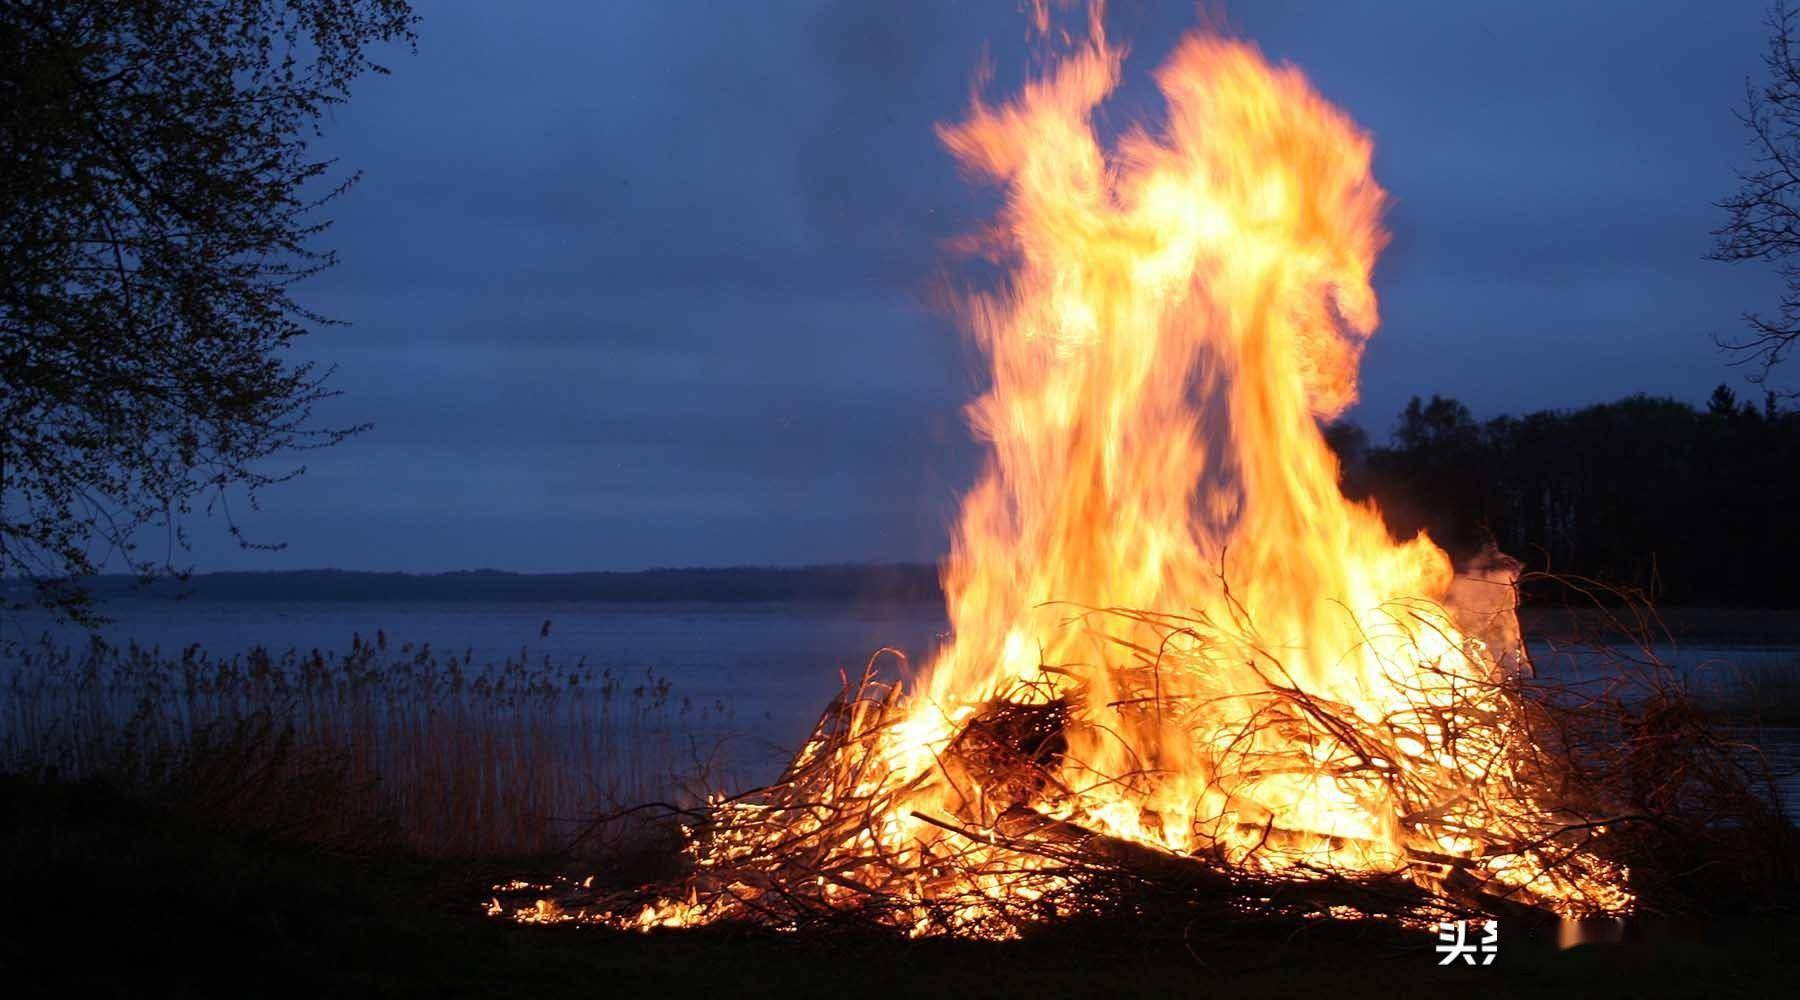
{"points": [[1182, 309]]}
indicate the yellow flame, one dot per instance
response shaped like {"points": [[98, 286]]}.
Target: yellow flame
{"points": [[1182, 308]]}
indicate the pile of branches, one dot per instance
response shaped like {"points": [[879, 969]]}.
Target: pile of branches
{"points": [[1609, 773], [806, 862]]}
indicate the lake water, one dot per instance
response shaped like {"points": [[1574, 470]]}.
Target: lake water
{"points": [[775, 665]]}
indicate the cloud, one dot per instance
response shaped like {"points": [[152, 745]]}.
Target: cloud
{"points": [[640, 284]]}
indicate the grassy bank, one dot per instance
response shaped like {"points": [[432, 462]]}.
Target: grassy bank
{"points": [[163, 904], [312, 826]]}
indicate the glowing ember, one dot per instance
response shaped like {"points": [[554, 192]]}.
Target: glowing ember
{"points": [[1308, 697]]}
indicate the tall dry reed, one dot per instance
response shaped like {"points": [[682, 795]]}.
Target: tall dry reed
{"points": [[384, 743]]}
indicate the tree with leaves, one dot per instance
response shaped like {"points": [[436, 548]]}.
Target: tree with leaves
{"points": [[158, 203], [1763, 215]]}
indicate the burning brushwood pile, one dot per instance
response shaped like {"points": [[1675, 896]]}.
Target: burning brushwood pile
{"points": [[1182, 662]]}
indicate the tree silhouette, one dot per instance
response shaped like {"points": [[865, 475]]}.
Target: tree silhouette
{"points": [[158, 201], [1694, 506]]}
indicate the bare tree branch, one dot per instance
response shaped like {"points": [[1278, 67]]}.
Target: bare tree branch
{"points": [[1763, 216], [158, 202]]}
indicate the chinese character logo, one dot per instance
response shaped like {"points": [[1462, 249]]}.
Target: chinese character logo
{"points": [[1454, 943]]}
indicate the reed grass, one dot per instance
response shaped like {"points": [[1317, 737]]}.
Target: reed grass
{"points": [[383, 746]]}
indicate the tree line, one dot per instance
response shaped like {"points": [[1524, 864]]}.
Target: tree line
{"points": [[1689, 505]]}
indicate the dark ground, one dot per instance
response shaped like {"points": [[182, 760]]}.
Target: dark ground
{"points": [[104, 896]]}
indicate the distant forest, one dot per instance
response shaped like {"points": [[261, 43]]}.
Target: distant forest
{"points": [[1692, 506]]}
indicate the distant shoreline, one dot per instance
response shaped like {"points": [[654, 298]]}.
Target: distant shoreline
{"points": [[889, 582]]}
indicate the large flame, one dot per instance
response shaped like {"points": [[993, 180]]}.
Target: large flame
{"points": [[1182, 309]]}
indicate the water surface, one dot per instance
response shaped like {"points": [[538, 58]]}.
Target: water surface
{"points": [[774, 666]]}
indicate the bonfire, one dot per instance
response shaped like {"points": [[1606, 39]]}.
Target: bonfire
{"points": [[1181, 660]]}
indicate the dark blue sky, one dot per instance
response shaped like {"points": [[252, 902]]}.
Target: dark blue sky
{"points": [[640, 284]]}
